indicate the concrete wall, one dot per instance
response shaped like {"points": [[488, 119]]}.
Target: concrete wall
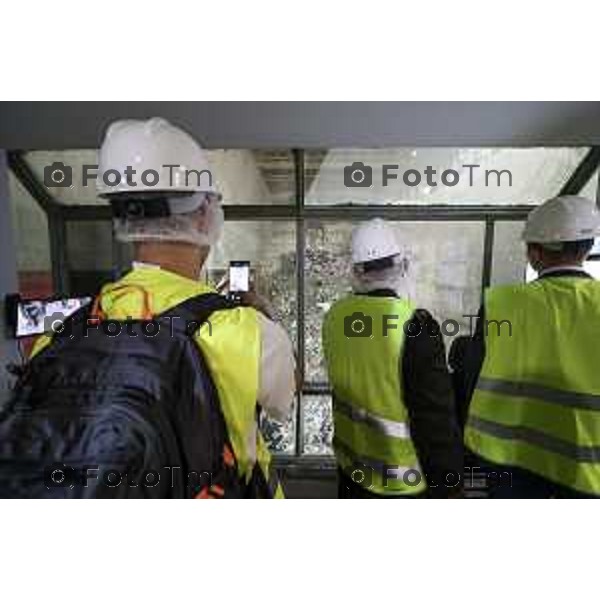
{"points": [[8, 276], [31, 229]]}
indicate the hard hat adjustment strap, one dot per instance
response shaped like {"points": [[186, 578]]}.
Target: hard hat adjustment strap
{"points": [[138, 208]]}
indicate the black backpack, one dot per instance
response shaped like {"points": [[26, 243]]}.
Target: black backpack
{"points": [[136, 414]]}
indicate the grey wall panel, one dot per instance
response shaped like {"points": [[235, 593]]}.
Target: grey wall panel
{"points": [[8, 275], [61, 125]]}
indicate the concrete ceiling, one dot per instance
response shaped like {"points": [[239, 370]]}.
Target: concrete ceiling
{"points": [[63, 125]]}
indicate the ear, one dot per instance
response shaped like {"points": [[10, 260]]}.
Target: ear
{"points": [[204, 252], [196, 217], [534, 256]]}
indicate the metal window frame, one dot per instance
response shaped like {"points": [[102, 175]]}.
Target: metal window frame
{"points": [[59, 214]]}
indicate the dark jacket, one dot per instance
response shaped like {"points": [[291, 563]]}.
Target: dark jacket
{"points": [[429, 399], [457, 361]]}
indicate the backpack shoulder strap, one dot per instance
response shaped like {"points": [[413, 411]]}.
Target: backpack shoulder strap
{"points": [[184, 318], [189, 315]]}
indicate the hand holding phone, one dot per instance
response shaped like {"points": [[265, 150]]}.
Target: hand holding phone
{"points": [[242, 291], [239, 276]]}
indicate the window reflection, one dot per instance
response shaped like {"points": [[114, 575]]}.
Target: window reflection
{"points": [[241, 176], [472, 176]]}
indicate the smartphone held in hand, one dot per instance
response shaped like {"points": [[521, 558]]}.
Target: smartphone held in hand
{"points": [[239, 278]]}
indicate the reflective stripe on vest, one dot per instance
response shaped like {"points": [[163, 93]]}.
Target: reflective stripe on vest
{"points": [[536, 438], [389, 428], [233, 333], [540, 392], [537, 402], [364, 366]]}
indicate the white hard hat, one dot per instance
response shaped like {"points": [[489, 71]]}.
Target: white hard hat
{"points": [[373, 240], [147, 146], [563, 219]]}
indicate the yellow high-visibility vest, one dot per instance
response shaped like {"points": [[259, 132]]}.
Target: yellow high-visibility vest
{"points": [[363, 337], [233, 332], [537, 400]]}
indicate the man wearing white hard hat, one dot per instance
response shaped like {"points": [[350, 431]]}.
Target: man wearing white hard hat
{"points": [[158, 181], [534, 418], [396, 434]]}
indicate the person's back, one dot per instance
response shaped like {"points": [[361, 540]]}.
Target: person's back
{"points": [[363, 363], [534, 410], [173, 222], [232, 343], [395, 431], [538, 391]]}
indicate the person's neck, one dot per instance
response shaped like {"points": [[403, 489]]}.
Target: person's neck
{"points": [[183, 259], [559, 266]]}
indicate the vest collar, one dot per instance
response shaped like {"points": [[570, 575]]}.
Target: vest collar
{"points": [[574, 271], [386, 293], [136, 264]]}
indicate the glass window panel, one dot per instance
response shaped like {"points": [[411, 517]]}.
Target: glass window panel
{"points": [[90, 255], [254, 176], [32, 242], [509, 259], [317, 424], [444, 274], [270, 246], [72, 192], [530, 176], [242, 176], [590, 188]]}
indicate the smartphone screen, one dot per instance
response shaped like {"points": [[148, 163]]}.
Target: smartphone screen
{"points": [[33, 316], [239, 276]]}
